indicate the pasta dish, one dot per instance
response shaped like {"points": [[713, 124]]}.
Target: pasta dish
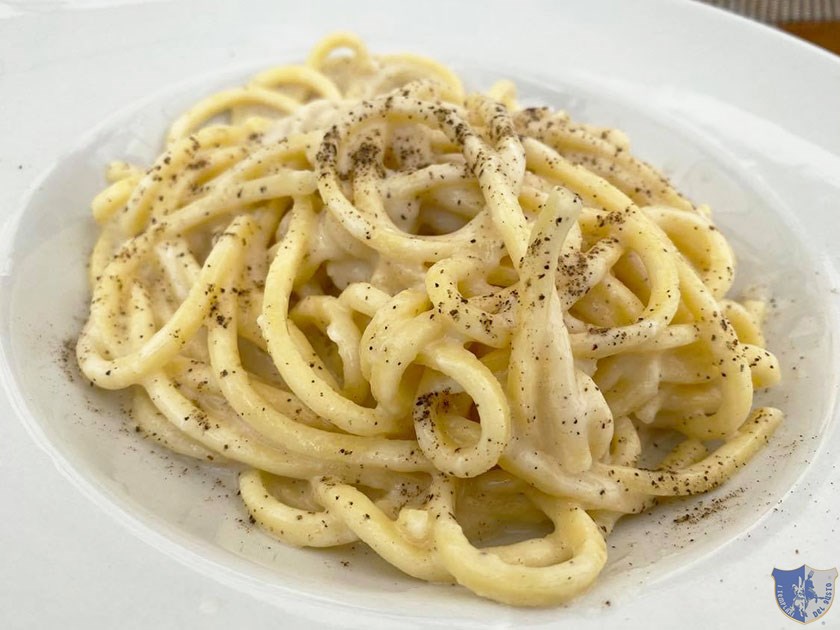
{"points": [[470, 334]]}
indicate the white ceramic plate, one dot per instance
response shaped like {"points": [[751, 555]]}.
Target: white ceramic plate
{"points": [[740, 117]]}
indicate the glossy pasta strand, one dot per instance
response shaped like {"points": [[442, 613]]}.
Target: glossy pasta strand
{"points": [[414, 316]]}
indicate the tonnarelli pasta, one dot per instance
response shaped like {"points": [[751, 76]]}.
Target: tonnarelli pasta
{"points": [[419, 318]]}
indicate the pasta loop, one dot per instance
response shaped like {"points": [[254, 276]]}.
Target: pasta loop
{"points": [[433, 321]]}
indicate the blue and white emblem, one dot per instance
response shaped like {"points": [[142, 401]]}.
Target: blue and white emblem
{"points": [[804, 594]]}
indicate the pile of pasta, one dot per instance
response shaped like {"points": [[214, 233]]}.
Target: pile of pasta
{"points": [[453, 328]]}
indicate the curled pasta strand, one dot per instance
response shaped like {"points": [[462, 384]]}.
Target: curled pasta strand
{"points": [[711, 471], [425, 320], [336, 41], [636, 233], [299, 75], [225, 101], [381, 533], [403, 455], [130, 368], [495, 426], [303, 528], [295, 371], [489, 575]]}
